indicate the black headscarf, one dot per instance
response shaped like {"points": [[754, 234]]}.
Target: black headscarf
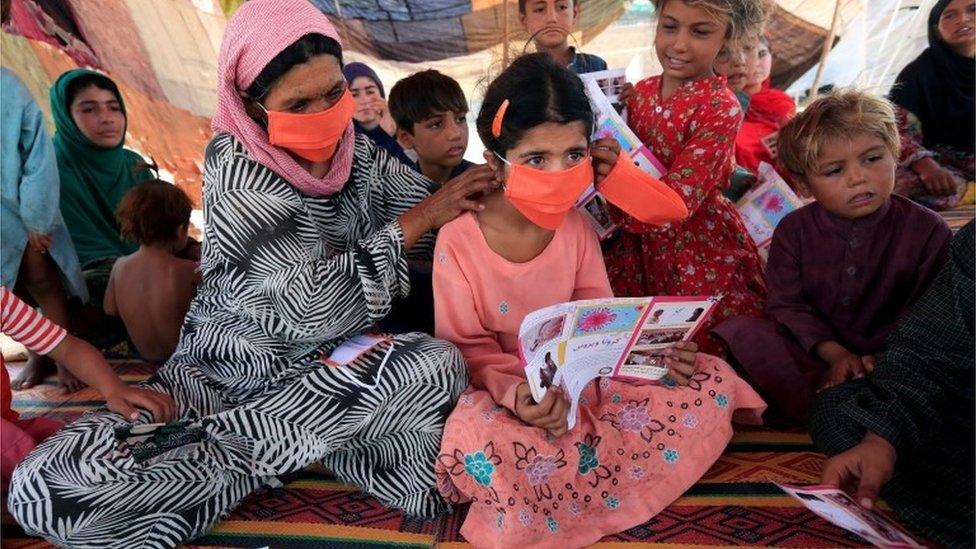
{"points": [[937, 87]]}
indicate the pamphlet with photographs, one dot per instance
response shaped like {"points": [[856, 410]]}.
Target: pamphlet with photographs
{"points": [[603, 89], [570, 344], [838, 508], [611, 82], [763, 207]]}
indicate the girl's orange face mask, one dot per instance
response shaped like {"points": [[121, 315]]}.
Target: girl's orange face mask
{"points": [[545, 197], [314, 136]]}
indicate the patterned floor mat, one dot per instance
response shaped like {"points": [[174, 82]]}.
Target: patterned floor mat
{"points": [[733, 505]]}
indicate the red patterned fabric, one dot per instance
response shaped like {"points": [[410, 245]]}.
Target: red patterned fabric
{"points": [[23, 324], [710, 253]]}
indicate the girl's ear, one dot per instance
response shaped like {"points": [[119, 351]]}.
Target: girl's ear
{"points": [[495, 165]]}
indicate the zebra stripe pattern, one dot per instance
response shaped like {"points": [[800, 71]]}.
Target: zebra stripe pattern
{"points": [[286, 279]]}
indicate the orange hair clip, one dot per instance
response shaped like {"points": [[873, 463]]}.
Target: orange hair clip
{"points": [[496, 124]]}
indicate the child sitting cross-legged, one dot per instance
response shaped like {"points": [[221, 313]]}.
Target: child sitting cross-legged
{"points": [[843, 269], [634, 448], [151, 289]]}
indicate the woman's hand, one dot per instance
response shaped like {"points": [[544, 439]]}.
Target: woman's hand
{"points": [[862, 470], [549, 414], [126, 399], [38, 242], [605, 153], [681, 360], [936, 179], [451, 200]]}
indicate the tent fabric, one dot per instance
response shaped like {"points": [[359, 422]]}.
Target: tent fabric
{"points": [[164, 54]]}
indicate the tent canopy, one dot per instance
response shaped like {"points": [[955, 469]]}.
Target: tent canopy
{"points": [[164, 54]]}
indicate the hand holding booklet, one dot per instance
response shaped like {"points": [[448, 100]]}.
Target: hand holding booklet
{"points": [[838, 508], [570, 344], [603, 89]]}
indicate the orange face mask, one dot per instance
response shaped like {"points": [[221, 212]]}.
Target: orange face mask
{"points": [[313, 136], [545, 197], [643, 197]]}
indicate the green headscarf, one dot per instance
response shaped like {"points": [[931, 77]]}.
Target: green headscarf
{"points": [[93, 180]]}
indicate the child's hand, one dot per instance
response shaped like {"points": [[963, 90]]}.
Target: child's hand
{"points": [[605, 153], [841, 364], [549, 414], [39, 242], [127, 399], [862, 470], [680, 360], [848, 367], [383, 115], [937, 180], [625, 92]]}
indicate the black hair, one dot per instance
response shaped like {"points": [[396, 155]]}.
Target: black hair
{"points": [[422, 95], [85, 81], [522, 3], [538, 90], [301, 51]]}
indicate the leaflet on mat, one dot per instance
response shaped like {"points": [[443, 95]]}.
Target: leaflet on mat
{"points": [[763, 207], [571, 344], [838, 508]]}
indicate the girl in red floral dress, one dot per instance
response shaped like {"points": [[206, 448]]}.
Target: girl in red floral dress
{"points": [[689, 119]]}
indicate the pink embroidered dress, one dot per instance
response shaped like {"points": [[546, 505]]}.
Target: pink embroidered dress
{"points": [[634, 450]]}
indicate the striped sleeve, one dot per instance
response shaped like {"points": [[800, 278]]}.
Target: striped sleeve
{"points": [[25, 325]]}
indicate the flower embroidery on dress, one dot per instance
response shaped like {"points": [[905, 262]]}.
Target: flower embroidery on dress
{"points": [[538, 468], [524, 517], [611, 502], [552, 524], [589, 462], [503, 307], [721, 400], [478, 466], [634, 417], [690, 421], [636, 472], [670, 455]]}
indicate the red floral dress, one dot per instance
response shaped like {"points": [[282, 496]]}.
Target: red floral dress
{"points": [[693, 134]]}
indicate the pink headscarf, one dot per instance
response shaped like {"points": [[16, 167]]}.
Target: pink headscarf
{"points": [[257, 32]]}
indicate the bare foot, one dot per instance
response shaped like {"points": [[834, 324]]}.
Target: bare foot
{"points": [[38, 367], [68, 382]]}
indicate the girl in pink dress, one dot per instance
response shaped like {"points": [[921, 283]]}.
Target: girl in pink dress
{"points": [[635, 448]]}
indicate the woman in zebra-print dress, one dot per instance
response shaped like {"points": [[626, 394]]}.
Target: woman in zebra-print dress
{"points": [[298, 256]]}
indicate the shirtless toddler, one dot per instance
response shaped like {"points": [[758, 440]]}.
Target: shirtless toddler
{"points": [[151, 289]]}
